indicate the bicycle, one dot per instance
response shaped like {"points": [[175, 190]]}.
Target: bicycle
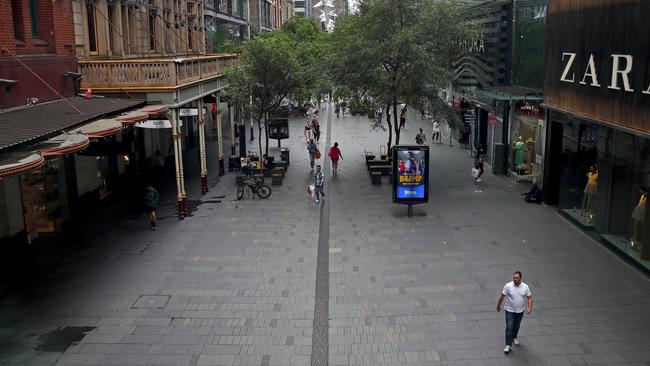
{"points": [[256, 187], [377, 125]]}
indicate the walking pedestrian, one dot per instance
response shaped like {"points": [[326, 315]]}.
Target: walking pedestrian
{"points": [[420, 138], [312, 149], [478, 163], [319, 179], [402, 118], [436, 132], [315, 126], [151, 200], [335, 155], [308, 131], [518, 297]]}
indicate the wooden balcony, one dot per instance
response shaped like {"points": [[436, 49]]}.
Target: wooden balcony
{"points": [[151, 75]]}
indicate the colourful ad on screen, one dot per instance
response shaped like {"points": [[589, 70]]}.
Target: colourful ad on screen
{"points": [[411, 175]]}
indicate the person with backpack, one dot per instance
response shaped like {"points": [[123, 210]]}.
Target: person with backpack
{"points": [[312, 149], [335, 155], [151, 200], [420, 138]]}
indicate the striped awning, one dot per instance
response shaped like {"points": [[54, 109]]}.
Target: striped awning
{"points": [[63, 144], [19, 162], [132, 117], [100, 128], [154, 110]]}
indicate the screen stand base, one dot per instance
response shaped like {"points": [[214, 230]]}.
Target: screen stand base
{"points": [[410, 211]]}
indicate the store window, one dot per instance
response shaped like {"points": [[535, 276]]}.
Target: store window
{"points": [[45, 200], [605, 174], [527, 141]]}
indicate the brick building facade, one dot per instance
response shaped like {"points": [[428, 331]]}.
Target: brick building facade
{"points": [[39, 34]]}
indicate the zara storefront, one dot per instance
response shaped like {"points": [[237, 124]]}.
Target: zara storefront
{"points": [[597, 91]]}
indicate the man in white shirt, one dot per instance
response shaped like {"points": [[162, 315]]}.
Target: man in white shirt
{"points": [[518, 297]]}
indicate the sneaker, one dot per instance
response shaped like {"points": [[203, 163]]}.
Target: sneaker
{"points": [[515, 342], [317, 201], [506, 350]]}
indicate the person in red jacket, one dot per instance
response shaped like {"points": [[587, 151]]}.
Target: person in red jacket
{"points": [[335, 155]]}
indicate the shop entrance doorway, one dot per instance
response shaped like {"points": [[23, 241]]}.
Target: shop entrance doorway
{"points": [[554, 168]]}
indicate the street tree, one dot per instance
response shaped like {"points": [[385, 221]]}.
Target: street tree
{"points": [[268, 73], [400, 50], [275, 66]]}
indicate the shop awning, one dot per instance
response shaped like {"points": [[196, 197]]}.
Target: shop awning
{"points": [[99, 129], [19, 162], [66, 143], [132, 117], [511, 93], [33, 124], [154, 110]]}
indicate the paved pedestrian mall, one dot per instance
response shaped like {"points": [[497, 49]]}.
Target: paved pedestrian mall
{"points": [[237, 283]]}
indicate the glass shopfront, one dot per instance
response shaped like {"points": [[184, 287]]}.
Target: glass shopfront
{"points": [[45, 201], [527, 138], [604, 175]]}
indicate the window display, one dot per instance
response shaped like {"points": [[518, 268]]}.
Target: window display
{"points": [[604, 181], [527, 141]]}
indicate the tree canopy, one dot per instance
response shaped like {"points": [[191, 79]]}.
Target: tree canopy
{"points": [[397, 51], [277, 65]]}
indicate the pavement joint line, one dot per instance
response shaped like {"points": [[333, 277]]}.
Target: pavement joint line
{"points": [[320, 333]]}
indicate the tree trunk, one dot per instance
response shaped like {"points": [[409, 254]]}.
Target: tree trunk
{"points": [[266, 132], [390, 127], [397, 122], [259, 127]]}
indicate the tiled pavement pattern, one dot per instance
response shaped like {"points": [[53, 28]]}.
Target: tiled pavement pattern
{"points": [[235, 283]]}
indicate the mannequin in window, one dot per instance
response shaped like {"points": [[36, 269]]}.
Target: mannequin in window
{"points": [[588, 200], [637, 221], [519, 148]]}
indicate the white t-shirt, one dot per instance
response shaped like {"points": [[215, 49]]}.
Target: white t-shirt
{"points": [[516, 297], [435, 127]]}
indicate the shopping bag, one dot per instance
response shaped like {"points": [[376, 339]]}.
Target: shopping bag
{"points": [[311, 189], [317, 154], [475, 172]]}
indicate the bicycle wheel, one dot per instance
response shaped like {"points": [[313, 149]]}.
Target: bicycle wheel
{"points": [[264, 191], [240, 191]]}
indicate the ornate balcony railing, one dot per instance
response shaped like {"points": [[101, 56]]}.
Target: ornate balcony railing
{"points": [[153, 73]]}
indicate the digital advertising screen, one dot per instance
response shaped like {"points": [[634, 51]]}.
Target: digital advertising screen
{"points": [[410, 174]]}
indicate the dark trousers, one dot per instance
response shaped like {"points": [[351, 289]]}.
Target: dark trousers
{"points": [[513, 320]]}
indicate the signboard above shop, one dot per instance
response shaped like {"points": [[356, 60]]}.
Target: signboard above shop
{"points": [[189, 112], [597, 60], [157, 124]]}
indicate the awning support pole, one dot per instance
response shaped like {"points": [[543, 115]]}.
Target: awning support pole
{"points": [[178, 161], [222, 169], [202, 154]]}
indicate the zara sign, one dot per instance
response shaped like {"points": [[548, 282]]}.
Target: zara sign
{"points": [[597, 61], [621, 67]]}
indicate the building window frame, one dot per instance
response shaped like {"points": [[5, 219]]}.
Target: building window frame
{"points": [[91, 27], [33, 12]]}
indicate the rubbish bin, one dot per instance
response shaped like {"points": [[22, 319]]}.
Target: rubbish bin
{"points": [[284, 154]]}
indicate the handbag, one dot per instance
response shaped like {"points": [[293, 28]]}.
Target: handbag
{"points": [[317, 154], [475, 172]]}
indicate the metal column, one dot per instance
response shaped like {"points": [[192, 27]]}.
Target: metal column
{"points": [[202, 154], [222, 169], [178, 161]]}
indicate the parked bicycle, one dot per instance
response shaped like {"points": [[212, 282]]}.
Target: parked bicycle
{"points": [[377, 124], [255, 185]]}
